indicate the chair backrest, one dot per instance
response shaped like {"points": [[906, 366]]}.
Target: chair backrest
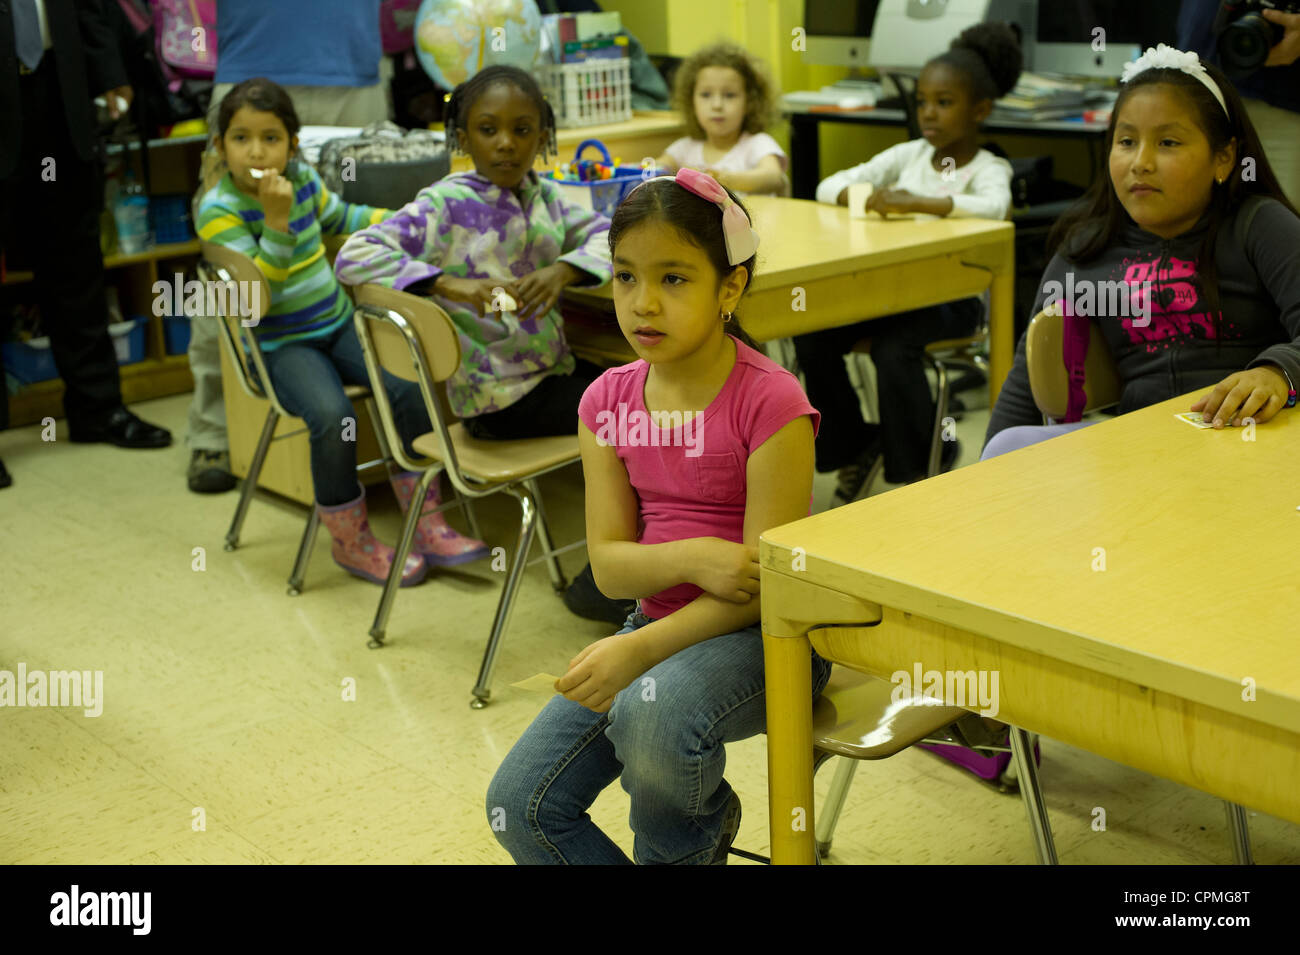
{"points": [[233, 279], [1049, 379], [413, 339]]}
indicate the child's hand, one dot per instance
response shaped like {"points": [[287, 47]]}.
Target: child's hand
{"points": [[600, 671], [1258, 393], [275, 193], [892, 200], [537, 292], [725, 569], [478, 293]]}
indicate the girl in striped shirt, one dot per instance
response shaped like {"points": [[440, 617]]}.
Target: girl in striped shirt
{"points": [[274, 209]]}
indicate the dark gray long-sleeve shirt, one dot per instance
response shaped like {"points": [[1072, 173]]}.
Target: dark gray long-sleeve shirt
{"points": [[1259, 293]]}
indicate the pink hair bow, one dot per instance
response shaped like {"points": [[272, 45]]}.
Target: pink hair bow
{"points": [[741, 239]]}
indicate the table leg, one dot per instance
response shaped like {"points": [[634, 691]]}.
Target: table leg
{"points": [[788, 662]]}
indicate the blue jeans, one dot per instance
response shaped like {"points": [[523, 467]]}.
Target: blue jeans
{"points": [[1023, 435], [665, 746], [308, 377]]}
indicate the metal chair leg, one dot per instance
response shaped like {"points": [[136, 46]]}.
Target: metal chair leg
{"points": [[394, 581], [829, 816], [1239, 829], [552, 562], [940, 412], [250, 482], [527, 525], [304, 553], [1022, 753]]}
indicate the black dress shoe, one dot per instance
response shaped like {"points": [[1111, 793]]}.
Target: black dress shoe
{"points": [[5, 479], [124, 430]]}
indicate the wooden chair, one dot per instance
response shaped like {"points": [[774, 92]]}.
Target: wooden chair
{"points": [[414, 339], [857, 717], [219, 264], [1048, 378]]}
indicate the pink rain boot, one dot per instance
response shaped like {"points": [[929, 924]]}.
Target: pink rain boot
{"points": [[358, 552], [440, 543]]}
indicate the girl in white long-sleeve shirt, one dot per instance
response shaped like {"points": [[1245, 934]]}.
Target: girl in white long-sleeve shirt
{"points": [[945, 173]]}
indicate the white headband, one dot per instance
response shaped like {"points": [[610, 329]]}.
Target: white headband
{"points": [[1167, 58]]}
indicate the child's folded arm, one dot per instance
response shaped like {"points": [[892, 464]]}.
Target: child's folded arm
{"points": [[778, 478], [623, 569], [395, 252]]}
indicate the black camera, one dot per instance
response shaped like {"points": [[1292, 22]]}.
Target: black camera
{"points": [[1244, 36]]}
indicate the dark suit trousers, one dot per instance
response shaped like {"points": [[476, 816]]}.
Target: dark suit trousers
{"points": [[53, 225]]}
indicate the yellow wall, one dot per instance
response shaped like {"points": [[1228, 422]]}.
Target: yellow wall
{"points": [[765, 28]]}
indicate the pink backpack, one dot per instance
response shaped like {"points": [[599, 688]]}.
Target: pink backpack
{"points": [[397, 24], [179, 46]]}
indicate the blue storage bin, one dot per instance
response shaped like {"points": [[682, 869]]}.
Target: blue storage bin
{"points": [[169, 217], [176, 333], [603, 195], [128, 339], [30, 361]]}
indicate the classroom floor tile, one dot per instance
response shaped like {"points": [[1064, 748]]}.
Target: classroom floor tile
{"points": [[300, 744]]}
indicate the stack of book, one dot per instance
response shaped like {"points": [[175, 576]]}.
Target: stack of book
{"points": [[577, 38], [1037, 97]]}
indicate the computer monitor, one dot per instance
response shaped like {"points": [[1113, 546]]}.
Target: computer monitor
{"points": [[909, 33], [1067, 34], [838, 31]]}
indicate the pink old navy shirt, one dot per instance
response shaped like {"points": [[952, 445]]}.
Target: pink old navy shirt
{"points": [[690, 480]]}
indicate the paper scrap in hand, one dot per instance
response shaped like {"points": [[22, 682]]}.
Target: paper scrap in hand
{"points": [[542, 683]]}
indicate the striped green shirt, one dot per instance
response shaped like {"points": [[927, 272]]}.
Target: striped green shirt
{"points": [[306, 299]]}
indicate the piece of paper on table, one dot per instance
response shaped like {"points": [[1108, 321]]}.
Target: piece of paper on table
{"points": [[859, 192], [542, 683], [1194, 419]]}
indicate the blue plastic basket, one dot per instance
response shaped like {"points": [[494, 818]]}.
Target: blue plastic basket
{"points": [[604, 194], [176, 334], [170, 218], [30, 361]]}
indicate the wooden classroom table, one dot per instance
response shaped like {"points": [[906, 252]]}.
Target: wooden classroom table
{"points": [[817, 268], [997, 566]]}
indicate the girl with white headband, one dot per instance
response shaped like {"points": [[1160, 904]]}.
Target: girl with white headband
{"points": [[1193, 228], [689, 454]]}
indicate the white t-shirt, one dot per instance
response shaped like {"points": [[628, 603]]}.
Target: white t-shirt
{"points": [[979, 189], [743, 157]]}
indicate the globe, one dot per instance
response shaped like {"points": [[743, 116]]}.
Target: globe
{"points": [[454, 39]]}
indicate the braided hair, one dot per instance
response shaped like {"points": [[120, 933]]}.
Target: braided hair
{"points": [[460, 100]]}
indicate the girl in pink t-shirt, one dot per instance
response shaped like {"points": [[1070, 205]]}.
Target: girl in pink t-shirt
{"points": [[726, 101], [689, 454]]}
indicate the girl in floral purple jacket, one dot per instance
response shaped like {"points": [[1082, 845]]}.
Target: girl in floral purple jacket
{"points": [[471, 236]]}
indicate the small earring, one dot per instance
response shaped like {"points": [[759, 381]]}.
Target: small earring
{"points": [[726, 317]]}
